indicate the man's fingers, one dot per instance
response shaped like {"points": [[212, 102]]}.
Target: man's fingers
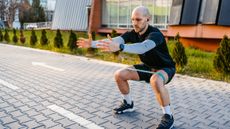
{"points": [[108, 36]]}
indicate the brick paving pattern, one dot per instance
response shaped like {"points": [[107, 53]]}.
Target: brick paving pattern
{"points": [[87, 89]]}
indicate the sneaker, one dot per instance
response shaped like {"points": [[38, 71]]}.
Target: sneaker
{"points": [[166, 122], [124, 107]]}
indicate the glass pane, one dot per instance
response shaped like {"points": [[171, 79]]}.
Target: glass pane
{"points": [[113, 6], [124, 13]]}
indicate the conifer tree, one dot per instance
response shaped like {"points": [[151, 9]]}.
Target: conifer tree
{"points": [[15, 37], [33, 38], [6, 36], [178, 54], [43, 39], [1, 36], [72, 41], [222, 59], [22, 38], [58, 42]]}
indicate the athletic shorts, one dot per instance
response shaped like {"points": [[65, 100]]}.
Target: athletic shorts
{"points": [[144, 76]]}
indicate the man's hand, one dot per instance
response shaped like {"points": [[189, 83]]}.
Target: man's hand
{"points": [[108, 46], [85, 43]]}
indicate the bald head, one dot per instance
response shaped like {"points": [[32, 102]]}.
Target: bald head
{"points": [[141, 10]]}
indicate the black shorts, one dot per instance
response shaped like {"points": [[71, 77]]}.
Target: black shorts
{"points": [[145, 76]]}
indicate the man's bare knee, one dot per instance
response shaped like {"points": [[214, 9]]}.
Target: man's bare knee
{"points": [[120, 74]]}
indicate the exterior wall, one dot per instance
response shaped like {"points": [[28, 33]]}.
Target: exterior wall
{"points": [[71, 15], [203, 36], [95, 16]]}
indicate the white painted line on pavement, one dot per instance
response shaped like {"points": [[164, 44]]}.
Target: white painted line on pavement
{"points": [[47, 66], [80, 120], [8, 85]]}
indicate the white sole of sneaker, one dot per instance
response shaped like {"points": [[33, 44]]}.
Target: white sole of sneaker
{"points": [[128, 110], [171, 127]]}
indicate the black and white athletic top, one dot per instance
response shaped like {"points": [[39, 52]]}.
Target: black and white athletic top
{"points": [[151, 47]]}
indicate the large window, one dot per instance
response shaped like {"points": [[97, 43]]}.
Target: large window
{"points": [[117, 13]]}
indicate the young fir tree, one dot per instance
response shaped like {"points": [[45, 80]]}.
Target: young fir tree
{"points": [[33, 38], [43, 39], [15, 37], [1, 36], [22, 38], [6, 36], [58, 42], [114, 34], [178, 54], [222, 59], [72, 41]]}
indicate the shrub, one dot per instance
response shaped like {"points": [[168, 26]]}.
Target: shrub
{"points": [[178, 53], [1, 35], [15, 37], [22, 38], [43, 39], [72, 41], [6, 36], [222, 59], [33, 38], [58, 42]]}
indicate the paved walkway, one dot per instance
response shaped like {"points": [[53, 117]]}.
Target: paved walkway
{"points": [[41, 89]]}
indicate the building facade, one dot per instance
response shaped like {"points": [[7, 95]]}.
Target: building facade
{"points": [[200, 23], [71, 15]]}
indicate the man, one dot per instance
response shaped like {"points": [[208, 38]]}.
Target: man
{"points": [[149, 43]]}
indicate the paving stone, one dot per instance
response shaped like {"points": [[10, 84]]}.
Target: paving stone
{"points": [[109, 125], [56, 117], [49, 123], [102, 114], [75, 126], [4, 105], [33, 124], [32, 112], [24, 118], [4, 127], [7, 120], [18, 104], [57, 127], [39, 107], [16, 113], [39, 117], [24, 108], [16, 125], [47, 112], [3, 114], [65, 122], [77, 110]]}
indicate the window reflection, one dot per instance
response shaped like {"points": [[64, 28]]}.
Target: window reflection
{"points": [[117, 13]]}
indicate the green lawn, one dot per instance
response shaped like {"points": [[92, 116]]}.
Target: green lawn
{"points": [[200, 63]]}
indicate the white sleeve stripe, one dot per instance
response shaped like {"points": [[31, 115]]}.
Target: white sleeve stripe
{"points": [[139, 48]]}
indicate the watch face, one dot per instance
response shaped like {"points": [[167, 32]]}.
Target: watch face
{"points": [[121, 47]]}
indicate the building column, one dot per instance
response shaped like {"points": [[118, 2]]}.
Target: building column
{"points": [[95, 16]]}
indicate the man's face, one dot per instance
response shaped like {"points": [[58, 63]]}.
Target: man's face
{"points": [[139, 21]]}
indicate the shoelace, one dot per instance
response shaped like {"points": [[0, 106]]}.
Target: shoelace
{"points": [[122, 106]]}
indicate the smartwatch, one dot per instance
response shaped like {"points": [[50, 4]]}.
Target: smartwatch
{"points": [[122, 47]]}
